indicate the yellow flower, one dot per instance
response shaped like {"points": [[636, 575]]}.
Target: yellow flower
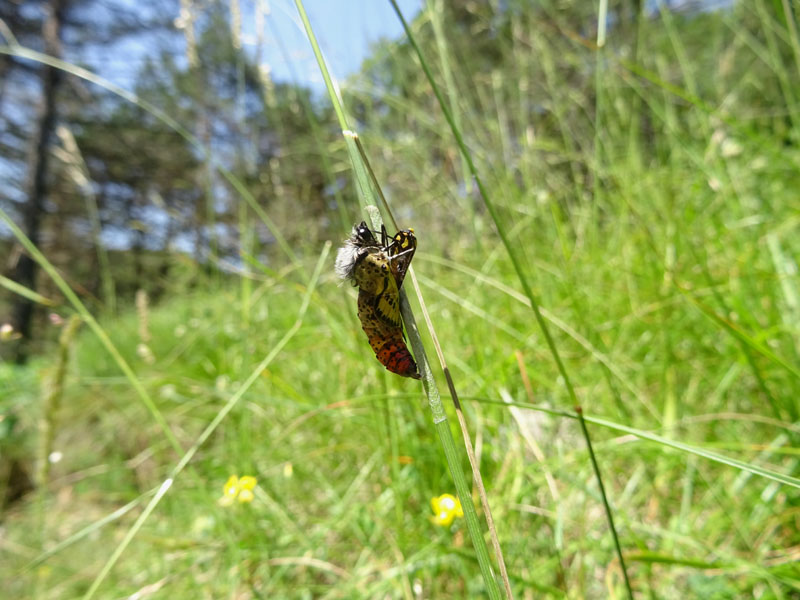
{"points": [[238, 488], [445, 507]]}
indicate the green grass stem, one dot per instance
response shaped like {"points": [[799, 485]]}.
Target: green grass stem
{"points": [[440, 421], [98, 330], [16, 288], [490, 206], [606, 505], [210, 428]]}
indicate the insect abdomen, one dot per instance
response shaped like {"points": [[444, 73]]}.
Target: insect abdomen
{"points": [[386, 339], [394, 355], [392, 352]]}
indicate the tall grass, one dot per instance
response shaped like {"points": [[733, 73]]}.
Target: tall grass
{"points": [[650, 204]]}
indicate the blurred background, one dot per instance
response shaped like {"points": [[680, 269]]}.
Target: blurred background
{"points": [[176, 170]]}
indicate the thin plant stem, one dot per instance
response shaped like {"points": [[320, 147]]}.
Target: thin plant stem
{"points": [[210, 428], [79, 172], [54, 392], [658, 439], [462, 423], [91, 529], [609, 516], [490, 206], [137, 385], [440, 421], [16, 288]]}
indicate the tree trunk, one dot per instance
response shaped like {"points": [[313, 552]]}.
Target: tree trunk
{"points": [[38, 165]]}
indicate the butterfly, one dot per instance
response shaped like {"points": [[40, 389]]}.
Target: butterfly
{"points": [[378, 269]]}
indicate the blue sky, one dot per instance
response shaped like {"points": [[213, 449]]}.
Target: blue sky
{"points": [[345, 29]]}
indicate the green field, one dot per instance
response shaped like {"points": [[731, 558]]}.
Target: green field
{"points": [[648, 194]]}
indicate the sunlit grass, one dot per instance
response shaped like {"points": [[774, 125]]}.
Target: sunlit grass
{"points": [[667, 277]]}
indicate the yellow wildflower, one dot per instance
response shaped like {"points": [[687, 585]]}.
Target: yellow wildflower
{"points": [[238, 488], [445, 508]]}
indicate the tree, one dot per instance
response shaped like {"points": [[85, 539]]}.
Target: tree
{"points": [[34, 101], [38, 171]]}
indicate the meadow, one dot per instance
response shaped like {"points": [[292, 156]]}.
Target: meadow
{"points": [[607, 217]]}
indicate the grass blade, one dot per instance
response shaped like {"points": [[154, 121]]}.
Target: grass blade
{"points": [[210, 428], [361, 169], [490, 207], [606, 505], [96, 328], [653, 437], [13, 286]]}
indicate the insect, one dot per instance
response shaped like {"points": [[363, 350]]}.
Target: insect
{"points": [[378, 269], [401, 251]]}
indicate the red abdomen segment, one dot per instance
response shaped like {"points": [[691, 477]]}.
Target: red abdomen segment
{"points": [[394, 355], [385, 332], [391, 351]]}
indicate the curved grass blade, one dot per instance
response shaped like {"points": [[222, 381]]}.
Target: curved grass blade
{"points": [[367, 197], [211, 427], [653, 437], [86, 531], [95, 327]]}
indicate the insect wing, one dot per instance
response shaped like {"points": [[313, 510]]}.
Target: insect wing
{"points": [[379, 313], [387, 306], [376, 282], [401, 251]]}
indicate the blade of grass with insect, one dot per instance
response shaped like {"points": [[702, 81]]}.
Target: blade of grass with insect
{"points": [[496, 218], [408, 315], [365, 187]]}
